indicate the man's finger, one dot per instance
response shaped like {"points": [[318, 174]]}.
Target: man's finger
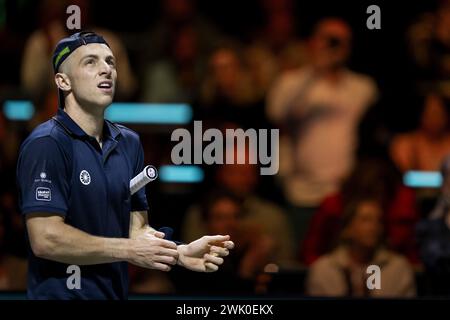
{"points": [[217, 239], [166, 260], [218, 251], [228, 244], [211, 267], [213, 259], [168, 252], [161, 266], [167, 244]]}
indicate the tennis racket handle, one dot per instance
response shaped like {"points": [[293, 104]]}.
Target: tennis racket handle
{"points": [[148, 174]]}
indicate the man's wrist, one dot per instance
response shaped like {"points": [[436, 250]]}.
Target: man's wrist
{"points": [[122, 249], [181, 250]]}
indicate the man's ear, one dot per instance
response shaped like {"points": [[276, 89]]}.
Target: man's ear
{"points": [[63, 82]]}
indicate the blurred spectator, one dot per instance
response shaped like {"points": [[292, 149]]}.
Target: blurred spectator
{"points": [[434, 238], [174, 52], [241, 181], [228, 93], [223, 215], [425, 148], [343, 272], [37, 71], [175, 16], [429, 45], [175, 77], [276, 47], [318, 107], [375, 178]]}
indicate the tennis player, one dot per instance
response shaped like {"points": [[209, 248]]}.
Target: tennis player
{"points": [[74, 173]]}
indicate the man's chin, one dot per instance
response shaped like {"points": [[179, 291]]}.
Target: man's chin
{"points": [[99, 104], [104, 101]]}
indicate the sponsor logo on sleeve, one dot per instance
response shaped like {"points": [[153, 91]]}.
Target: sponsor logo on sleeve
{"points": [[43, 194]]}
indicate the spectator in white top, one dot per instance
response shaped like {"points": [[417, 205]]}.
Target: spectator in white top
{"points": [[318, 107]]}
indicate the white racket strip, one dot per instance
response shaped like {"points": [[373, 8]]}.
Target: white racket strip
{"points": [[148, 174]]}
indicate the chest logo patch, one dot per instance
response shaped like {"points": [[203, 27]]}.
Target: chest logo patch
{"points": [[85, 177]]}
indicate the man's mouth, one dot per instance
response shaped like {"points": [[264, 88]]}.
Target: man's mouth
{"points": [[106, 86]]}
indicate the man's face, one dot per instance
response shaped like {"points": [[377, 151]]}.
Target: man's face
{"points": [[366, 227], [434, 118], [330, 44], [92, 72], [223, 217]]}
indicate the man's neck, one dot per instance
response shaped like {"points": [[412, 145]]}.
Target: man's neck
{"points": [[91, 123]]}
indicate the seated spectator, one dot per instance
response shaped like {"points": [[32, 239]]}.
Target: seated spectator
{"points": [[343, 272], [221, 213], [241, 181], [370, 178], [424, 148]]}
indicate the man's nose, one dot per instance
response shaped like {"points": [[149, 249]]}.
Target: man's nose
{"points": [[105, 68]]}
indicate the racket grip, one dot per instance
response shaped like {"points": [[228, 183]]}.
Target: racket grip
{"points": [[148, 174]]}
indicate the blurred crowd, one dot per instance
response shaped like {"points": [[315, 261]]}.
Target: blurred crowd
{"points": [[338, 203]]}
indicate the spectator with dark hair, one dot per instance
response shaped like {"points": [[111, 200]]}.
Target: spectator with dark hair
{"points": [[371, 177], [425, 148], [241, 180], [343, 272], [221, 211]]}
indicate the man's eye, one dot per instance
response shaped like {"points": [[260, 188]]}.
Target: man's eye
{"points": [[90, 61]]}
